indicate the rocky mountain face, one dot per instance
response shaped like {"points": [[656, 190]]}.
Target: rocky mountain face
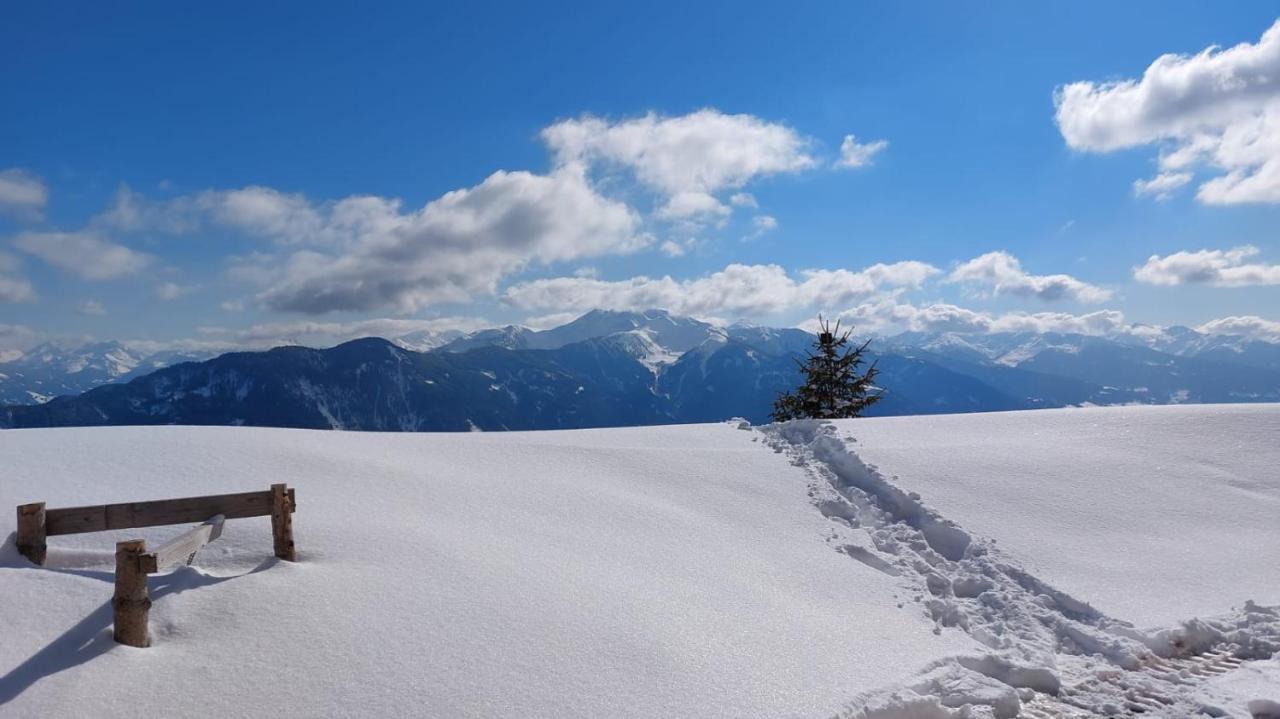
{"points": [[621, 368]]}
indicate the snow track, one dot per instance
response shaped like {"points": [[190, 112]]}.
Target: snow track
{"points": [[1051, 654]]}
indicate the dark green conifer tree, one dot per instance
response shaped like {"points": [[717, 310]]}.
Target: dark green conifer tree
{"points": [[833, 388]]}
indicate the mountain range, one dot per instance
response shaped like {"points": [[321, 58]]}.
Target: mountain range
{"points": [[613, 368]]}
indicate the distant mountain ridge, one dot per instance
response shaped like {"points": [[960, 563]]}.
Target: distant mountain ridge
{"points": [[51, 369], [621, 368], [673, 334]]}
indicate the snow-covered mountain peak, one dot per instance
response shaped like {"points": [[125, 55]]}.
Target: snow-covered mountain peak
{"points": [[426, 340], [673, 334], [641, 344]]}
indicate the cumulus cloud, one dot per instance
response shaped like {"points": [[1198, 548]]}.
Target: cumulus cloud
{"points": [[84, 253], [890, 315], [1250, 326], [689, 158], [13, 287], [1162, 185], [459, 245], [1003, 274], [1219, 108], [22, 194], [685, 205], [1220, 268], [856, 154], [366, 253], [263, 212], [744, 290], [91, 308]]}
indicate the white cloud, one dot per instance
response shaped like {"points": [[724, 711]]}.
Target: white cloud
{"points": [[671, 248], [685, 205], [316, 334], [1162, 185], [169, 291], [262, 212], [1218, 107], [22, 194], [1249, 326], [215, 339], [365, 253], [91, 308], [13, 340], [762, 225], [83, 253], [13, 287], [459, 245], [1220, 268], [1003, 274], [546, 322], [908, 274], [742, 290], [687, 158], [855, 154], [888, 315]]}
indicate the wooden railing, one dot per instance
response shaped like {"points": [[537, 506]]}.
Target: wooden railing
{"points": [[131, 603]]}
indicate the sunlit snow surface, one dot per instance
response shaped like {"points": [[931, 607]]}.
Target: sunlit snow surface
{"points": [[699, 570], [675, 571], [1154, 514]]}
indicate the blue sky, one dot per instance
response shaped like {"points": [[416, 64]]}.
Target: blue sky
{"points": [[246, 173]]}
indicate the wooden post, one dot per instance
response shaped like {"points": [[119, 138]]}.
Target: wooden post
{"points": [[31, 532], [282, 521], [131, 604]]}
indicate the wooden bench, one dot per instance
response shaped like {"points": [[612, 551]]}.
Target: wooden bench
{"points": [[131, 604]]}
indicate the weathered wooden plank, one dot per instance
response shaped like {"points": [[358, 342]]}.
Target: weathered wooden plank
{"points": [[282, 521], [131, 606], [183, 548], [32, 531], [128, 515]]}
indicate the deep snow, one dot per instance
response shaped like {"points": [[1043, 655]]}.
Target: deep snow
{"points": [[1155, 514], [674, 571]]}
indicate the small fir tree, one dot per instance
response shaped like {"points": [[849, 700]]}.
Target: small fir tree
{"points": [[833, 387]]}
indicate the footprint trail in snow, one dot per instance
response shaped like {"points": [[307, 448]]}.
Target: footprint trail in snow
{"points": [[1049, 654]]}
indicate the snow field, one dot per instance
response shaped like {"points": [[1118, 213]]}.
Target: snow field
{"points": [[1073, 563], [1151, 514], [673, 571], [1049, 653]]}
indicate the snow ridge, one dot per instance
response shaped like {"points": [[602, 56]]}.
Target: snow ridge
{"points": [[1050, 654]]}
